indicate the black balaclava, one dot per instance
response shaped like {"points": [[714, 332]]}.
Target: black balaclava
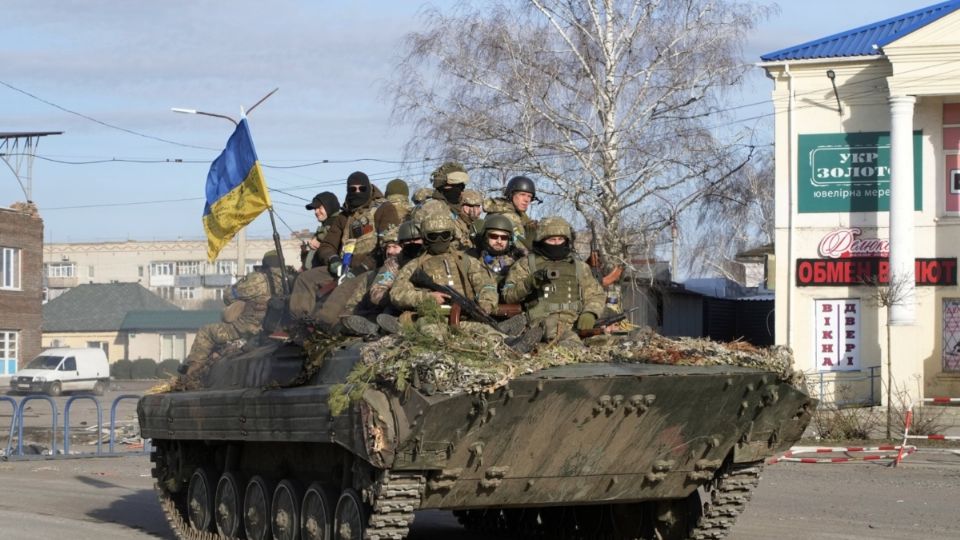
{"points": [[410, 251], [436, 248], [452, 192], [357, 199], [552, 252]]}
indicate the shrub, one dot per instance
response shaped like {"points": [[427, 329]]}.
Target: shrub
{"points": [[168, 368], [121, 369], [144, 368], [834, 423]]}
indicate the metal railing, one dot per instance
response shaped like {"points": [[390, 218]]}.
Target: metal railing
{"points": [[17, 426], [822, 384]]}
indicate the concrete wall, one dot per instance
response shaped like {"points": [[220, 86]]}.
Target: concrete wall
{"points": [[20, 309]]}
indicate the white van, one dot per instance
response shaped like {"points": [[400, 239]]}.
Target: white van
{"points": [[63, 370]]}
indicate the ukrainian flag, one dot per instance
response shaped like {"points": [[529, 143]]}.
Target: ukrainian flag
{"points": [[236, 191]]}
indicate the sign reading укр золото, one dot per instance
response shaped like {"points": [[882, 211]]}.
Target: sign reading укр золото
{"points": [[849, 172]]}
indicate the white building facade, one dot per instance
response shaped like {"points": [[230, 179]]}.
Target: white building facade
{"points": [[868, 205], [176, 270]]}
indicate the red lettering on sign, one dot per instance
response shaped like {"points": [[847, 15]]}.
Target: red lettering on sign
{"points": [[827, 361], [826, 308], [827, 334], [827, 347], [850, 347], [826, 321], [883, 273]]}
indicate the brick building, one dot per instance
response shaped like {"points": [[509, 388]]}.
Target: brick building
{"points": [[21, 246]]}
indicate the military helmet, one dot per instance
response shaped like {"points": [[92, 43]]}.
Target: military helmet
{"points": [[520, 183], [471, 197], [408, 230], [421, 195], [391, 235], [498, 222], [435, 223], [271, 259], [553, 226], [397, 187], [450, 172]]}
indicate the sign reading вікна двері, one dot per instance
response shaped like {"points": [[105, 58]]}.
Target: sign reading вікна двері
{"points": [[849, 172]]}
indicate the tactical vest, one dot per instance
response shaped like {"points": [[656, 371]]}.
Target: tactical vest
{"points": [[362, 228], [447, 269], [258, 290], [402, 204], [560, 294]]}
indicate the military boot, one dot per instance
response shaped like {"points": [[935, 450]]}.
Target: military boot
{"points": [[527, 341], [360, 326], [389, 323], [514, 326]]}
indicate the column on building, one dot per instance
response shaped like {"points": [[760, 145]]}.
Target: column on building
{"points": [[902, 279]]}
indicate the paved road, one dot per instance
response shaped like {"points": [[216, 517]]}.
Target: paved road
{"points": [[112, 498]]}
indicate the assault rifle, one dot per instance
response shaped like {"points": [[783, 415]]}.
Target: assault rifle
{"points": [[601, 324], [467, 306]]}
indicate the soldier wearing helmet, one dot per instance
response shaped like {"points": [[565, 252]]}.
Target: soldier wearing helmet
{"points": [[247, 302], [556, 288], [518, 194], [495, 247], [398, 194], [449, 181], [446, 266]]}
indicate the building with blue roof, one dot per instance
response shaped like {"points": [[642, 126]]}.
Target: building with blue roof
{"points": [[867, 149]]}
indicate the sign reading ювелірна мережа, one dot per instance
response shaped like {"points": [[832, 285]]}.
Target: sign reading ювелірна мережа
{"points": [[849, 172]]}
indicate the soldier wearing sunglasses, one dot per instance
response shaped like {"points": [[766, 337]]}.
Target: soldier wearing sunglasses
{"points": [[495, 248], [519, 193], [449, 182]]}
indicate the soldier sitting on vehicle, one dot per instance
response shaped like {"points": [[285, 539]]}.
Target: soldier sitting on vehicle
{"points": [[519, 193], [449, 181], [325, 207], [398, 194], [350, 246], [556, 288], [247, 302]]}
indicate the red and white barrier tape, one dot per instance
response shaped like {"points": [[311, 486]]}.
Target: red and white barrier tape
{"points": [[791, 456], [908, 421]]}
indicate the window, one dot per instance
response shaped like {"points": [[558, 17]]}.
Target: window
{"points": [[61, 269], [161, 269], [227, 267], [173, 346], [90, 271], [165, 292], [186, 293], [249, 266], [9, 339], [139, 271], [10, 268], [189, 267], [218, 294], [69, 364]]}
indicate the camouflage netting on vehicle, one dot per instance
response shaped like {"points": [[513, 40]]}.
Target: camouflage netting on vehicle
{"points": [[453, 360]]}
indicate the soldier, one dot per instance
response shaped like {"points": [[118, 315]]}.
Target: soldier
{"points": [[325, 206], [471, 205], [398, 194], [353, 236], [495, 248], [246, 302], [449, 181], [519, 193], [446, 266], [555, 287], [400, 247], [421, 195]]}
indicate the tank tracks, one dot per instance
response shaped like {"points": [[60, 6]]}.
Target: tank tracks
{"points": [[730, 495], [395, 498]]}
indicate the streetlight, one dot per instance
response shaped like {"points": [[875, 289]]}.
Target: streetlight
{"points": [[242, 234]]}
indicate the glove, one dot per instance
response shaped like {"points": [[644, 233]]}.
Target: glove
{"points": [[334, 266], [586, 321], [539, 278]]}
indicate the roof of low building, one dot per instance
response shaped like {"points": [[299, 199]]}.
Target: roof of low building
{"points": [[866, 40], [99, 307], [152, 320]]}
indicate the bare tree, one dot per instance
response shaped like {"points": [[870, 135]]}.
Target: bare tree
{"points": [[732, 218], [610, 105]]}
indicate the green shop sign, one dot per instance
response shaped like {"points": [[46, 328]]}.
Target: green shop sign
{"points": [[850, 172]]}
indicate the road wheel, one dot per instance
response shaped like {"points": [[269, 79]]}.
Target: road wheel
{"points": [[350, 518], [99, 388], [256, 508], [55, 388], [200, 495], [316, 513], [285, 511], [228, 505]]}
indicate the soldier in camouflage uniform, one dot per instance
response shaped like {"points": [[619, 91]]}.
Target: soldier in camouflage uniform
{"points": [[556, 288], [495, 248], [449, 181], [421, 195], [519, 193], [240, 321], [446, 266], [398, 194], [325, 207], [363, 219]]}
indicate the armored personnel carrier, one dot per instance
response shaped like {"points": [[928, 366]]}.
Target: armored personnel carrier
{"points": [[584, 450]]}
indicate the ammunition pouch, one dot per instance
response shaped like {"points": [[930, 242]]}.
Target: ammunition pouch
{"points": [[277, 314]]}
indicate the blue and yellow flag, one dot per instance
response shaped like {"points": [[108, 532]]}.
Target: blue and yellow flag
{"points": [[236, 191]]}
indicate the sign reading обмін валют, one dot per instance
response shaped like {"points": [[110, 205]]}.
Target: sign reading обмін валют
{"points": [[852, 259], [849, 172]]}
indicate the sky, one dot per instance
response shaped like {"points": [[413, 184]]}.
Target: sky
{"points": [[107, 73]]}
